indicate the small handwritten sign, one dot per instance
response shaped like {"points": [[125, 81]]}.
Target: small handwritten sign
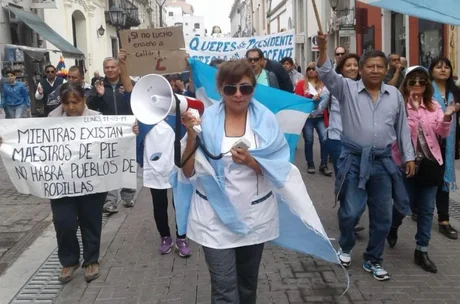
{"points": [[71, 156], [158, 51]]}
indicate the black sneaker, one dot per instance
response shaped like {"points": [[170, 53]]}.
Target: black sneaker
{"points": [[311, 170], [325, 170]]}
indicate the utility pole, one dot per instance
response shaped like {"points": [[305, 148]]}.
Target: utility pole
{"points": [[160, 4]]}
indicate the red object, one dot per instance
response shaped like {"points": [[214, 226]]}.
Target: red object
{"points": [[192, 103], [326, 118]]}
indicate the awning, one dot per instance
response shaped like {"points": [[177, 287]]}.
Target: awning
{"points": [[40, 27], [442, 11], [35, 53]]}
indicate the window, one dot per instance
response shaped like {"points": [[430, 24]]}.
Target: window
{"points": [[186, 23], [114, 41], [170, 14], [196, 25], [197, 35], [178, 24]]}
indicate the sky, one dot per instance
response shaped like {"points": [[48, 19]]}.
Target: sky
{"points": [[213, 14]]}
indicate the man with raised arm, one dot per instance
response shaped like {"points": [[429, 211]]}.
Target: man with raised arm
{"points": [[373, 117]]}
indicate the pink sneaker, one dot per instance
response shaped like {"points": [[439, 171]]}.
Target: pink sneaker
{"points": [[166, 245], [183, 248]]}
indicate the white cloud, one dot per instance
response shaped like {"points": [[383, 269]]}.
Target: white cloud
{"points": [[214, 13]]}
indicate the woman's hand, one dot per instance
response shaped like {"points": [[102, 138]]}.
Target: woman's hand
{"points": [[243, 157], [189, 120], [414, 100], [136, 129], [316, 97]]}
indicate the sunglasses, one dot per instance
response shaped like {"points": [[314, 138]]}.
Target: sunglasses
{"points": [[50, 72], [310, 69], [245, 89], [421, 82], [339, 54], [254, 59]]}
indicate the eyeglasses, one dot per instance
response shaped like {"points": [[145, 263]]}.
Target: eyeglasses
{"points": [[50, 72], [254, 59], [245, 89], [311, 69], [339, 54], [421, 82]]}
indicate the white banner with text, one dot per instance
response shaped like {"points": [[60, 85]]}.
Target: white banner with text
{"points": [[69, 156], [275, 46]]}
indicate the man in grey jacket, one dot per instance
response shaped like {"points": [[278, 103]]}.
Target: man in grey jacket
{"points": [[74, 76], [257, 61]]}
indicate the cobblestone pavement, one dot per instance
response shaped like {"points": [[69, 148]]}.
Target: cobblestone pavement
{"points": [[22, 219], [132, 271]]}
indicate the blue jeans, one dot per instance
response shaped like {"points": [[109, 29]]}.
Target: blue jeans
{"points": [[334, 148], [318, 124], [423, 198], [378, 195], [16, 112]]}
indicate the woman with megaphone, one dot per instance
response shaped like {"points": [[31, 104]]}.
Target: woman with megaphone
{"points": [[238, 175]]}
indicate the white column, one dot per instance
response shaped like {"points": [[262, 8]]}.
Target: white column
{"points": [[407, 29], [386, 31], [307, 46]]}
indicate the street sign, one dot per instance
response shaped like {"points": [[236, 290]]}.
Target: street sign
{"points": [[314, 44]]}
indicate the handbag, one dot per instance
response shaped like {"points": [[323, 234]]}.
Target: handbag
{"points": [[429, 173]]}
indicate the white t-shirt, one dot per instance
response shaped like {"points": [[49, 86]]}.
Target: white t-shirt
{"points": [[249, 193], [158, 156]]}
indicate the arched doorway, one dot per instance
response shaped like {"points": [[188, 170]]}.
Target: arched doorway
{"points": [[80, 37]]}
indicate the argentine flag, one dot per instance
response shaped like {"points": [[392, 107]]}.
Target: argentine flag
{"points": [[290, 109]]}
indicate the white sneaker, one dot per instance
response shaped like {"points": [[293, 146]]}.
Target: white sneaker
{"points": [[344, 258]]}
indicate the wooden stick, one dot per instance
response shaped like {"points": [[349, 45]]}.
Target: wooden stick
{"points": [[318, 19]]}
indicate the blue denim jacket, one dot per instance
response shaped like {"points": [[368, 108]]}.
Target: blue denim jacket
{"points": [[15, 95], [368, 155]]}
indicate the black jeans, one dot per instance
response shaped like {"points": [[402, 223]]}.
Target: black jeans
{"points": [[234, 273], [442, 204], [68, 214], [160, 212]]}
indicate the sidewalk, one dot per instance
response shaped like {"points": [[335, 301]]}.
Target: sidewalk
{"points": [[23, 218]]}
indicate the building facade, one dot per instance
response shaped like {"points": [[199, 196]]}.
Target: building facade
{"points": [[241, 19], [79, 22]]}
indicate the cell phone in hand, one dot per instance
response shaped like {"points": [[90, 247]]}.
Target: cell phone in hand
{"points": [[242, 143]]}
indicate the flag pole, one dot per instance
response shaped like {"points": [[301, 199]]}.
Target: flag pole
{"points": [[318, 19]]}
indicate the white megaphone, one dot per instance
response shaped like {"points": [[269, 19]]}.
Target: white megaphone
{"points": [[153, 99]]}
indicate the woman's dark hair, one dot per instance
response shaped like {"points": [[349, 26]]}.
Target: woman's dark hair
{"points": [[230, 72], [69, 88], [341, 63], [216, 61], [429, 90], [450, 85], [9, 71]]}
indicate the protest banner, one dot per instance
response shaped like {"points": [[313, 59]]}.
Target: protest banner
{"points": [[157, 51], [275, 46], [71, 156]]}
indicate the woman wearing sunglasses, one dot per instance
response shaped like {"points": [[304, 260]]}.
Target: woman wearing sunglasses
{"points": [[234, 212], [313, 88], [427, 122]]}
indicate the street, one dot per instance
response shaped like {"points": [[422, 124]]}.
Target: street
{"points": [[132, 271]]}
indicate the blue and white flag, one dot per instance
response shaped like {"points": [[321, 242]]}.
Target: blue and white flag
{"points": [[291, 110], [442, 11]]}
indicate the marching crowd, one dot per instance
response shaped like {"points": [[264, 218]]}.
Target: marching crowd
{"points": [[389, 131]]}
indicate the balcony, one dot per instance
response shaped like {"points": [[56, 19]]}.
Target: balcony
{"points": [[132, 13]]}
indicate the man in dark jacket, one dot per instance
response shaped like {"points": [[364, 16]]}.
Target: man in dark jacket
{"points": [[284, 81], [75, 76], [46, 86], [107, 97]]}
